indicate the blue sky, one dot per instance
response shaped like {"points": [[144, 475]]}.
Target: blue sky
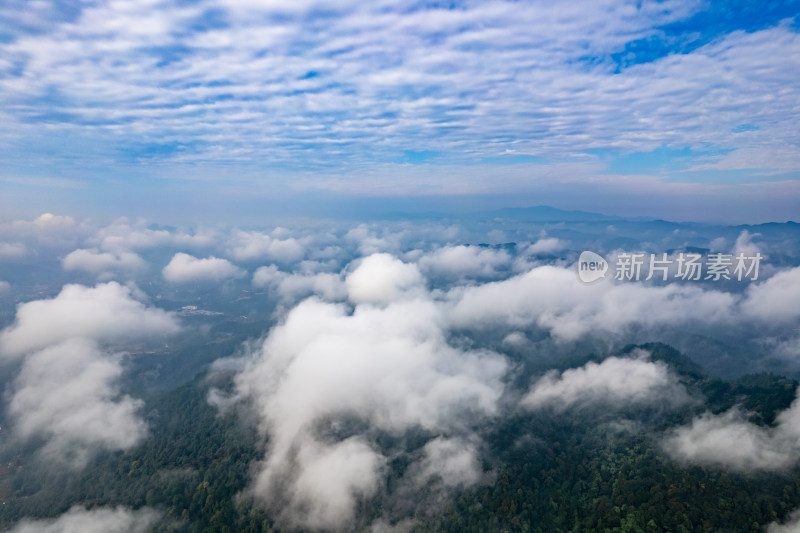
{"points": [[676, 109]]}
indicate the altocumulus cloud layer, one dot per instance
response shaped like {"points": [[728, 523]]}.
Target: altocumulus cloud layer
{"points": [[66, 389], [310, 90]]}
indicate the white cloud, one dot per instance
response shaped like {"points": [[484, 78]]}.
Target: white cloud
{"points": [[266, 276], [46, 229], [67, 394], [460, 261], [453, 461], [776, 298], [516, 339], [554, 299], [720, 244], [106, 312], [251, 245], [100, 520], [744, 243], [326, 285], [369, 242], [293, 287], [615, 380], [123, 235], [186, 268], [332, 479], [387, 366], [46, 224], [546, 245], [729, 440], [96, 262], [67, 388], [49, 220], [382, 278]]}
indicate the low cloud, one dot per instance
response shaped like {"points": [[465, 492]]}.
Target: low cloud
{"points": [[49, 220], [185, 268], [124, 235], [47, 229], [465, 261], [373, 240], [96, 262], [67, 388], [453, 461], [293, 287], [107, 312], [378, 368], [547, 245], [67, 393], [615, 380], [251, 245], [744, 244], [331, 479], [729, 440], [775, 299], [267, 276], [553, 299], [382, 278], [101, 520], [326, 285]]}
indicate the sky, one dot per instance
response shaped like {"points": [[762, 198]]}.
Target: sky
{"points": [[176, 110]]}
